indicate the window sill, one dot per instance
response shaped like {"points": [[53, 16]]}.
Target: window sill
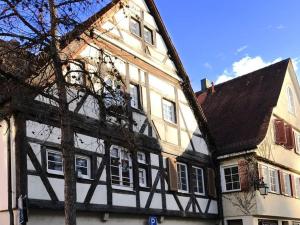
{"points": [[231, 191], [124, 188]]}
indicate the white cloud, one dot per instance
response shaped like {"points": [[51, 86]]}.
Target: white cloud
{"points": [[280, 27], [244, 66], [242, 48], [207, 65]]}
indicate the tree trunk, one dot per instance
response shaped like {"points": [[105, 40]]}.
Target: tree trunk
{"points": [[67, 135]]}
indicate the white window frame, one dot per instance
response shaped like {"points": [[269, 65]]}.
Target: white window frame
{"points": [[169, 118], [270, 183], [179, 176], [152, 35], [140, 27], [291, 101], [297, 142], [144, 174], [297, 186], [143, 157], [135, 99], [224, 187], [88, 175], [120, 157], [196, 169], [54, 171], [287, 185]]}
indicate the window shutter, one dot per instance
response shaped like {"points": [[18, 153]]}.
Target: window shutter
{"points": [[244, 176], [281, 181], [280, 136], [211, 182], [293, 186], [172, 170], [290, 141]]}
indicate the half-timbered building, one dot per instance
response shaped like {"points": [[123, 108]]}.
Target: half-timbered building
{"points": [[169, 173], [254, 120]]}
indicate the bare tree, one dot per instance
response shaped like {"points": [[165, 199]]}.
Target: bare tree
{"points": [[37, 33]]}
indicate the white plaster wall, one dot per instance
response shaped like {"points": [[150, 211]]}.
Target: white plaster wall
{"points": [[100, 195], [213, 208], [171, 203], [124, 200], [156, 202], [154, 159], [143, 198], [202, 203], [36, 188], [43, 132], [162, 87], [89, 143], [40, 217]]}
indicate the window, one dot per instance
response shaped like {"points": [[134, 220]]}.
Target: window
{"points": [[134, 95], [232, 178], [121, 167], [273, 181], [287, 184], [297, 142], [182, 177], [83, 167], [141, 157], [297, 186], [55, 162], [198, 180], [135, 27], [148, 35], [291, 103], [142, 177], [169, 111]]}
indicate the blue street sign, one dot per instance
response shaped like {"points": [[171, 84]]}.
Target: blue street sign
{"points": [[152, 220]]}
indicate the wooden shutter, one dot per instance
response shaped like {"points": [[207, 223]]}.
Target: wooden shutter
{"points": [[172, 171], [211, 183], [244, 175], [293, 186], [290, 140], [281, 182], [280, 136]]}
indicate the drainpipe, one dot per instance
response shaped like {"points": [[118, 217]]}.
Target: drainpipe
{"points": [[10, 209]]}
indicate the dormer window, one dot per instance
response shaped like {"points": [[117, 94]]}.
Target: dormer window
{"points": [[138, 28], [291, 103]]}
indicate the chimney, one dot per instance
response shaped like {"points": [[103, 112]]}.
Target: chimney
{"points": [[205, 84], [213, 90]]}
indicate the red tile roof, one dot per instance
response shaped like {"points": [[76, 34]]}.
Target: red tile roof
{"points": [[239, 111]]}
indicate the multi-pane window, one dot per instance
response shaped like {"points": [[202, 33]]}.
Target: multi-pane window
{"points": [[291, 103], [169, 111], [141, 157], [198, 180], [55, 162], [273, 181], [232, 178], [148, 35], [121, 167], [83, 167], [287, 184], [182, 177], [134, 95], [135, 27], [143, 168]]}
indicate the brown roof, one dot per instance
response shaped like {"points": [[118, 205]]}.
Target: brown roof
{"points": [[239, 112]]}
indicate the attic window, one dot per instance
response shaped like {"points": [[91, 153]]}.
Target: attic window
{"points": [[148, 35], [135, 27], [291, 103]]}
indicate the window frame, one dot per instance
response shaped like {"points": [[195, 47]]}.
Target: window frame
{"points": [[196, 183], [287, 185], [120, 158], [144, 172], [270, 183], [138, 93], [291, 101], [179, 183], [140, 27], [297, 186], [88, 175], [47, 163], [56, 172], [297, 142], [174, 111], [224, 183], [152, 35]]}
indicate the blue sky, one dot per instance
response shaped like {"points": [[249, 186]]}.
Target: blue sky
{"points": [[222, 39]]}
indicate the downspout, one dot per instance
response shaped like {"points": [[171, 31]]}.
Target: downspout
{"points": [[9, 203]]}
